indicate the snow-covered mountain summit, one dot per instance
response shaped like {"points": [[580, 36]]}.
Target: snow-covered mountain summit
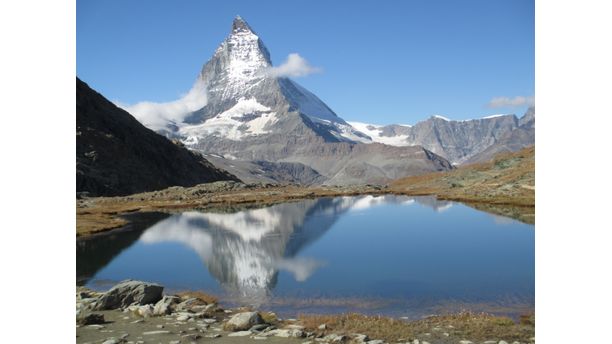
{"points": [[245, 99]]}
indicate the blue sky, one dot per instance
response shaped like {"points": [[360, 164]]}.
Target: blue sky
{"points": [[383, 61]]}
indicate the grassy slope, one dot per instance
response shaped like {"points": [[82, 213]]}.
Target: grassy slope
{"points": [[505, 185]]}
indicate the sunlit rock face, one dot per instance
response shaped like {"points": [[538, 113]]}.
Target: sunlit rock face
{"points": [[245, 250]]}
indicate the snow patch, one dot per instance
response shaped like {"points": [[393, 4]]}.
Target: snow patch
{"points": [[375, 132], [233, 124]]}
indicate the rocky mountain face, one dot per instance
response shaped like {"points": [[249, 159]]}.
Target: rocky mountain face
{"points": [[116, 155], [460, 141], [254, 115]]}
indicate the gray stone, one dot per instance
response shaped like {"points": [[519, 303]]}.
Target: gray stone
{"points": [[243, 321], [376, 341], [145, 311], [502, 342], [360, 338], [188, 304], [213, 335], [165, 305], [90, 319], [174, 342], [259, 327], [112, 341], [465, 342], [150, 333], [240, 334], [129, 292], [322, 327], [95, 327]]}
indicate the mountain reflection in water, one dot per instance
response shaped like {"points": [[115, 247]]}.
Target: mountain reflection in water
{"points": [[245, 250]]}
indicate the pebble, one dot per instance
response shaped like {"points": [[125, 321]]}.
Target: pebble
{"points": [[489, 342], [95, 327], [502, 342], [213, 335], [240, 334], [425, 342], [209, 321], [445, 334], [260, 338], [111, 341], [137, 321], [159, 326], [465, 342], [416, 341], [174, 342], [376, 341], [147, 333]]}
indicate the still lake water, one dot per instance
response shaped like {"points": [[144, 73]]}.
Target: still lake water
{"points": [[393, 255]]}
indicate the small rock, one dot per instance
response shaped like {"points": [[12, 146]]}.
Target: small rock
{"points": [[145, 311], [183, 317], [95, 327], [360, 338], [489, 342], [191, 336], [465, 342], [174, 342], [259, 338], [165, 305], [376, 341], [149, 333], [424, 342], [137, 321], [322, 327], [209, 321], [159, 326], [502, 342], [243, 321], [240, 334], [259, 327], [446, 334], [90, 319], [416, 341], [213, 335], [112, 341]]}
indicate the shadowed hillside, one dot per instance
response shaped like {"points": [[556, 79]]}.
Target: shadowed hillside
{"points": [[116, 155]]}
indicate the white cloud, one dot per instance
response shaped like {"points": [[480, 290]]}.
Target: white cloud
{"points": [[295, 66], [156, 115], [517, 101]]}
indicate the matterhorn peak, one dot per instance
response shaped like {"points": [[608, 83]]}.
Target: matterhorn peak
{"points": [[240, 25]]}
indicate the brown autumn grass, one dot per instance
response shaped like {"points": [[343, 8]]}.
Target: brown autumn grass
{"points": [[508, 179], [475, 326], [200, 295]]}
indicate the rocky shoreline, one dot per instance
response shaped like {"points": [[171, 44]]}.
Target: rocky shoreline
{"points": [[136, 312]]}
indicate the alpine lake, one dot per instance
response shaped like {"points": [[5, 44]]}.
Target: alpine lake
{"points": [[399, 256]]}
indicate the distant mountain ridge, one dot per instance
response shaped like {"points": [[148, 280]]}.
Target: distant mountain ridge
{"points": [[462, 141], [116, 155]]}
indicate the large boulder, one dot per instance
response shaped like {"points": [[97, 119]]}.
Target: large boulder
{"points": [[130, 292], [243, 321]]}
